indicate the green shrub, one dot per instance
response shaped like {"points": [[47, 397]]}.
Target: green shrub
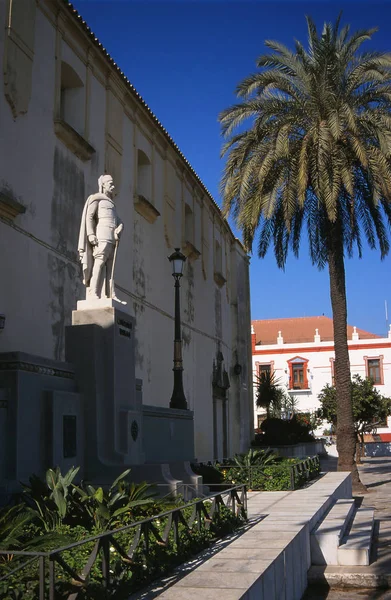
{"points": [[271, 477], [277, 478], [126, 576], [279, 432], [211, 476]]}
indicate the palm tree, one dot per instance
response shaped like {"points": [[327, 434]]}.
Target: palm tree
{"points": [[268, 392], [316, 152]]}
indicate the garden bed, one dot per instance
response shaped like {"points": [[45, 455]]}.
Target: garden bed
{"points": [[260, 470], [115, 562]]}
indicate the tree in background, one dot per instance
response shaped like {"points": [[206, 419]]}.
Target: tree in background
{"points": [[317, 152], [370, 408], [269, 394]]}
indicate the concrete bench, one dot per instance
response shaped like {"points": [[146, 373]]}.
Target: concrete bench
{"points": [[356, 547], [327, 535]]}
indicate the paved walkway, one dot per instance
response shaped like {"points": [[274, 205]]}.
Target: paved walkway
{"points": [[375, 473], [268, 560]]}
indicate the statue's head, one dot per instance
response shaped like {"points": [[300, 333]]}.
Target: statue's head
{"points": [[106, 185]]}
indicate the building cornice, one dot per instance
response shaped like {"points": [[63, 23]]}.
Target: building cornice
{"points": [[77, 18], [329, 348]]}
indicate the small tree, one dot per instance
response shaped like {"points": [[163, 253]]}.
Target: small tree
{"points": [[370, 408], [268, 393]]}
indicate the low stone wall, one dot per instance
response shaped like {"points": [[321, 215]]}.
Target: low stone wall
{"points": [[168, 434], [377, 449], [299, 450], [270, 560]]}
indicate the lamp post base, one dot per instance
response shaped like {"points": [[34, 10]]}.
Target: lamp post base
{"points": [[178, 399]]}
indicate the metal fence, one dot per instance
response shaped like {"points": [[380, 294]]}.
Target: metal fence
{"points": [[203, 514], [299, 472], [303, 470]]}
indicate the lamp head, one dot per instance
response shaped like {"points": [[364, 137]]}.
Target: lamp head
{"points": [[177, 260]]}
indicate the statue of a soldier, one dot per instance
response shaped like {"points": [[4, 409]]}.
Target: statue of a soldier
{"points": [[100, 231]]}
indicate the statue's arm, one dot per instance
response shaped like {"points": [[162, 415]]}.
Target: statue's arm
{"points": [[91, 221], [119, 228]]}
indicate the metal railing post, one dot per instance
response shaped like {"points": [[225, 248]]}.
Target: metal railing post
{"points": [[106, 561], [233, 502], [42, 582], [176, 529], [52, 578], [292, 475], [146, 540]]}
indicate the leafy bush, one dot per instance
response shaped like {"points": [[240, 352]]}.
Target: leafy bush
{"points": [[277, 478], [210, 475], [274, 476], [104, 507], [49, 500], [259, 458], [278, 432]]}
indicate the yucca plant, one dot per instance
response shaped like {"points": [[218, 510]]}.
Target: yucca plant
{"points": [[255, 458], [13, 521], [105, 506], [15, 533], [50, 500]]}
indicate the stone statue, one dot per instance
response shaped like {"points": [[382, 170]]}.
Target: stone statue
{"points": [[100, 231]]}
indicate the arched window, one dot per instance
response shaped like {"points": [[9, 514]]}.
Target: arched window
{"points": [[72, 101], [144, 176]]}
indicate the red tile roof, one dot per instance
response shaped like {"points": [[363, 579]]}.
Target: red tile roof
{"points": [[299, 330]]}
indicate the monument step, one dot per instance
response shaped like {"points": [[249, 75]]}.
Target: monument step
{"points": [[327, 535], [355, 549]]}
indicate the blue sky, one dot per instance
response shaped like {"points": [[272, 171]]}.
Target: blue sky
{"points": [[185, 58]]}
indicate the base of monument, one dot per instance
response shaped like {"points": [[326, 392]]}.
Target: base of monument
{"points": [[91, 303]]}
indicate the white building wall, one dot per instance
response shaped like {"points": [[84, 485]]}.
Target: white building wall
{"points": [[40, 271], [319, 368]]}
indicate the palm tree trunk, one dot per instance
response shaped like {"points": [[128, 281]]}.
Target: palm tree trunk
{"points": [[346, 437]]}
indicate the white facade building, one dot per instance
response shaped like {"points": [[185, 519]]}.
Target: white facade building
{"points": [[67, 115], [301, 354]]}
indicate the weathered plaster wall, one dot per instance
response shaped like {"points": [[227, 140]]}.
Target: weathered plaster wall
{"points": [[40, 272]]}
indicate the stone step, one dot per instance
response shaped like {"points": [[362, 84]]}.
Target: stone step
{"points": [[327, 536], [355, 549]]}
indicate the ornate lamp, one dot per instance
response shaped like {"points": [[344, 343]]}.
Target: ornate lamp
{"points": [[178, 400]]}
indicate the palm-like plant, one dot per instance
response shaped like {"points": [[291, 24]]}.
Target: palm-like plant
{"points": [[317, 152], [255, 458], [50, 500], [268, 394], [105, 507]]}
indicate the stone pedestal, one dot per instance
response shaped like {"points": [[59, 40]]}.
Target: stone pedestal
{"points": [[100, 343]]}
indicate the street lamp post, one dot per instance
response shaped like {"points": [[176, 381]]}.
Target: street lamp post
{"points": [[178, 400]]}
